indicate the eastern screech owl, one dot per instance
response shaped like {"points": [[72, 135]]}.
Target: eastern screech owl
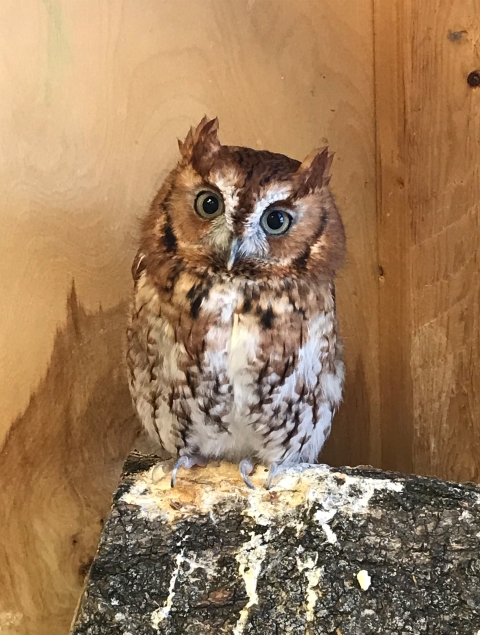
{"points": [[233, 346]]}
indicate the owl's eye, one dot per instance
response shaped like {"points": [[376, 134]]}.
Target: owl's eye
{"points": [[276, 222], [209, 205]]}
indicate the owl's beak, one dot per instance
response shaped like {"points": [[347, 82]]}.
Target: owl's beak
{"points": [[234, 249]]}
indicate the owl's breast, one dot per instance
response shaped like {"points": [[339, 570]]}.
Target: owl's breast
{"points": [[232, 371], [270, 370]]}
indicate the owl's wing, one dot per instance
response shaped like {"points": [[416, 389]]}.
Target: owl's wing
{"points": [[151, 363]]}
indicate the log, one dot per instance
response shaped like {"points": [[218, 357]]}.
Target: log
{"points": [[337, 551]]}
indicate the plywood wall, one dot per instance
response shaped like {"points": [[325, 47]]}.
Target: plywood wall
{"points": [[94, 95]]}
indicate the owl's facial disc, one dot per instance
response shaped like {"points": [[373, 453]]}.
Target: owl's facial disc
{"points": [[241, 226], [274, 221]]}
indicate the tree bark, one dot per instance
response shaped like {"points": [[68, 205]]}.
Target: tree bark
{"points": [[331, 551]]}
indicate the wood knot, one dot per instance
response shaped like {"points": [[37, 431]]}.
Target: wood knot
{"points": [[473, 79]]}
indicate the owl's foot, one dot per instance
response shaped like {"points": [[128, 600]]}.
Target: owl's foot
{"points": [[246, 468], [187, 462], [272, 472], [161, 469]]}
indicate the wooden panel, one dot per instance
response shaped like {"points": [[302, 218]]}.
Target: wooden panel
{"points": [[393, 238], [429, 168], [94, 95], [444, 198]]}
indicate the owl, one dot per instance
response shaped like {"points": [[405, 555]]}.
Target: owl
{"points": [[233, 349]]}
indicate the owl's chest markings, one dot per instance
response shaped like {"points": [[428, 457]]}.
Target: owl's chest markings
{"points": [[247, 305], [197, 295], [266, 317], [230, 333]]}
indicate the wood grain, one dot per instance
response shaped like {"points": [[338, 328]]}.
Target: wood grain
{"points": [[393, 238], [94, 96], [58, 466], [443, 114], [428, 182]]}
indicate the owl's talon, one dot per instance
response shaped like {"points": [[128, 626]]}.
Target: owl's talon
{"points": [[160, 470], [184, 461], [246, 468], [272, 472]]}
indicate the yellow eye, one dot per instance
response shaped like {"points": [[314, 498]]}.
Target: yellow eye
{"points": [[276, 222], [209, 205]]}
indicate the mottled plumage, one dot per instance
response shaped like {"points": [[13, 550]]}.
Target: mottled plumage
{"points": [[233, 346]]}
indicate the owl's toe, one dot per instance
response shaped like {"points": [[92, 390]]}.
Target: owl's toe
{"points": [[272, 472], [186, 462], [161, 469], [246, 468]]}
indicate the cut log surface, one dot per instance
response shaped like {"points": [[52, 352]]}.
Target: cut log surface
{"points": [[329, 551]]}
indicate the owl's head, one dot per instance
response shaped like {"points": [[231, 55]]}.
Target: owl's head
{"points": [[245, 212]]}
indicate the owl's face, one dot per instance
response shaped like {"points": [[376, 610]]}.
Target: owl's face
{"points": [[245, 212]]}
